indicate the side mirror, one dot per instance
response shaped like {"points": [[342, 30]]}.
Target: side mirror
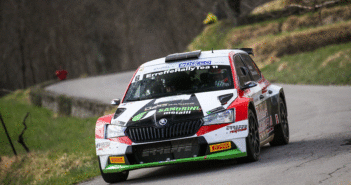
{"points": [[248, 85], [115, 102]]}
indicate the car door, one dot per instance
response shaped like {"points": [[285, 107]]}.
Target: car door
{"points": [[261, 97]]}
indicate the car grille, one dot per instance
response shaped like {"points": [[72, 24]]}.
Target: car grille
{"points": [[176, 130]]}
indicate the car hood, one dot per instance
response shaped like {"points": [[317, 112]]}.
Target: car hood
{"points": [[173, 108]]}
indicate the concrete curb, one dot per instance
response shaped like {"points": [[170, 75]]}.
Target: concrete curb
{"points": [[66, 105]]}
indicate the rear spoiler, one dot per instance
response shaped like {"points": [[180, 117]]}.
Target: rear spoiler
{"points": [[183, 56], [247, 50]]}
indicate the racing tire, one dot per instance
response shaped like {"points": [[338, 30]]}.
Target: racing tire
{"points": [[253, 139], [281, 130], [113, 177]]}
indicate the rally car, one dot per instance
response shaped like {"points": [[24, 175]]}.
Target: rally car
{"points": [[192, 106]]}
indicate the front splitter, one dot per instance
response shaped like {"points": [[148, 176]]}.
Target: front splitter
{"points": [[229, 154]]}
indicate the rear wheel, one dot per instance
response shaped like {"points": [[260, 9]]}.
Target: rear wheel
{"points": [[281, 131], [113, 177], [253, 139]]}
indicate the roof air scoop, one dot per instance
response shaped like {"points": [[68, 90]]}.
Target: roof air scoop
{"points": [[183, 56]]}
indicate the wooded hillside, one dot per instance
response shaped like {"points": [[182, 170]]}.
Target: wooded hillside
{"points": [[91, 37]]}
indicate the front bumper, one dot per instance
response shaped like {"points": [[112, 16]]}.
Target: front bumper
{"points": [[228, 154], [172, 152], [225, 141]]}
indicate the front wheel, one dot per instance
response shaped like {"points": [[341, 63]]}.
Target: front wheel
{"points": [[281, 131], [253, 139], [113, 177]]}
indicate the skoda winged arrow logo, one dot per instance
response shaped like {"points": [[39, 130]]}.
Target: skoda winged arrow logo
{"points": [[163, 122]]}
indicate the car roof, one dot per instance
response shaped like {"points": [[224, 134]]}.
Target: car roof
{"points": [[204, 55]]}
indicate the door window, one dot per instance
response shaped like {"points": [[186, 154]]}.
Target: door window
{"points": [[255, 72], [240, 71]]}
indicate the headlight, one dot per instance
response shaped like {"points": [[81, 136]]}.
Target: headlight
{"points": [[114, 131], [227, 116], [119, 123]]}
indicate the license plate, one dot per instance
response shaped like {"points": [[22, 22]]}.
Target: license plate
{"points": [[220, 146], [117, 160]]}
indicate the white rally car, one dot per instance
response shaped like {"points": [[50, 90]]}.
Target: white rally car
{"points": [[192, 106]]}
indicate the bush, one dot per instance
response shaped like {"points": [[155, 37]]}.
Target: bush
{"points": [[302, 41], [237, 36], [326, 16]]}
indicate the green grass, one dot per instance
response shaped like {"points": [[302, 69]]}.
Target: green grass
{"points": [[330, 65], [213, 36], [62, 149]]}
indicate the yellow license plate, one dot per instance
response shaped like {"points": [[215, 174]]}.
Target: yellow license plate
{"points": [[220, 146], [117, 160]]}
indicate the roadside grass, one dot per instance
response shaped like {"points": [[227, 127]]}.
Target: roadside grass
{"points": [[212, 37], [62, 149], [330, 65]]}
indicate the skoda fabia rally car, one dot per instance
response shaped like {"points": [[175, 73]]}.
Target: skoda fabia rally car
{"points": [[192, 106]]}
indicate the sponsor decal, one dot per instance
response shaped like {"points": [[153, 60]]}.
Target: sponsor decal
{"points": [[167, 150], [101, 146], [162, 67], [117, 160], [266, 133], [263, 134], [194, 63], [139, 116], [236, 128], [220, 147], [155, 74], [166, 105], [270, 121], [156, 106], [264, 124], [261, 110], [276, 119], [179, 110]]}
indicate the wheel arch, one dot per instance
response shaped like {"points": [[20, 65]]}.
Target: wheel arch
{"points": [[252, 107], [282, 95]]}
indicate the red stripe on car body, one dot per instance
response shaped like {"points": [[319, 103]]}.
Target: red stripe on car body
{"points": [[209, 128], [123, 139], [231, 61], [99, 127], [241, 105]]}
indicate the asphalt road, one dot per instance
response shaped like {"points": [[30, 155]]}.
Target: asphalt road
{"points": [[102, 88], [319, 151]]}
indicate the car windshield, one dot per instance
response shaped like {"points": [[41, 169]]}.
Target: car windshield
{"points": [[180, 81]]}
